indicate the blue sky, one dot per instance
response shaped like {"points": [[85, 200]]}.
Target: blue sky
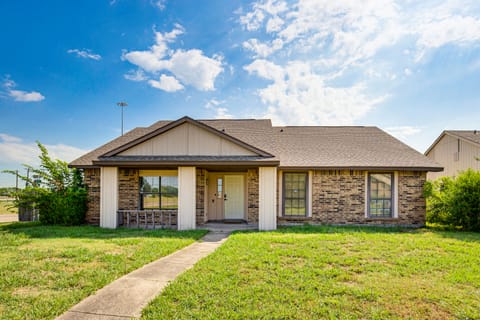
{"points": [[409, 67]]}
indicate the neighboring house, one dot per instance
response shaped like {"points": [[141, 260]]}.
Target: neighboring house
{"points": [[455, 150], [249, 170]]}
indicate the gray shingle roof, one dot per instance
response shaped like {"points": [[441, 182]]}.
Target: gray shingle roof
{"points": [[303, 146]]}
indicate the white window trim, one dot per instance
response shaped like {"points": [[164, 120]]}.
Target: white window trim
{"points": [[395, 194], [310, 193]]}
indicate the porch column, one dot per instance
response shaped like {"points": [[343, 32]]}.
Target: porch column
{"points": [[186, 198], [267, 199], [108, 197]]}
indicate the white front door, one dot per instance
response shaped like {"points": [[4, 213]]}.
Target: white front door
{"points": [[234, 197]]}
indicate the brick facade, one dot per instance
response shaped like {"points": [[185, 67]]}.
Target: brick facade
{"points": [[411, 202], [201, 213], [338, 197], [128, 189], [91, 178], [252, 196]]}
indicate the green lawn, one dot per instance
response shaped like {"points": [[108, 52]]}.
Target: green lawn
{"points": [[331, 273], [5, 207], [46, 270]]}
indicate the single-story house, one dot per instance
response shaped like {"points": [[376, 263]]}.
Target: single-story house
{"points": [[455, 150], [196, 171]]}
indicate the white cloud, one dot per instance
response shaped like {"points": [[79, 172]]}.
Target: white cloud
{"points": [[14, 149], [302, 97], [324, 42], [159, 4], [263, 49], [188, 67], [402, 132], [221, 112], [266, 69], [85, 53], [135, 75], [24, 96], [166, 83], [20, 95], [8, 138]]}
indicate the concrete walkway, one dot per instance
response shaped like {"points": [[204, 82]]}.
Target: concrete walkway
{"points": [[127, 296]]}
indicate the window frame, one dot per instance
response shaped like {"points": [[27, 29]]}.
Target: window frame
{"points": [[392, 196], [284, 194], [159, 193]]}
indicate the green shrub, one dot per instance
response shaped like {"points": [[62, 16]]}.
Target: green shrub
{"points": [[456, 201], [66, 207]]}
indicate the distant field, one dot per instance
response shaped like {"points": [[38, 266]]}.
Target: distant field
{"points": [[5, 207]]}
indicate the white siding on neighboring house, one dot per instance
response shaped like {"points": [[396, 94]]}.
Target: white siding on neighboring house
{"points": [[186, 198], [187, 139], [267, 200], [455, 155], [108, 197]]}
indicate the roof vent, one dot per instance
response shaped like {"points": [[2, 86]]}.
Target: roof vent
{"points": [[223, 129], [281, 130], [474, 131]]}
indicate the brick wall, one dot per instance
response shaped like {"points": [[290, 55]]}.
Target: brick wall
{"points": [[201, 217], [91, 178], [411, 202], [338, 197], [128, 189], [252, 194]]}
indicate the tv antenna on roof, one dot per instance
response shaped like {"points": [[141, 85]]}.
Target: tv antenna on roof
{"points": [[122, 105]]}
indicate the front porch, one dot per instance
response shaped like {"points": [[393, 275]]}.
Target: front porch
{"points": [[203, 196]]}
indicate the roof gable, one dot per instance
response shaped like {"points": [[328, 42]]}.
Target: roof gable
{"points": [[470, 136], [186, 137]]}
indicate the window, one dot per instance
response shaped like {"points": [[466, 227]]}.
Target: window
{"points": [[380, 195], [295, 194], [158, 193]]}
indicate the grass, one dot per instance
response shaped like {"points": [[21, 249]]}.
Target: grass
{"points": [[331, 273], [5, 207], [44, 270]]}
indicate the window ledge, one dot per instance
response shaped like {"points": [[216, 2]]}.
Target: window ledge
{"points": [[381, 219], [295, 218]]}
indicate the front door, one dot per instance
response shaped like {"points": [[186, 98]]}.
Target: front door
{"points": [[234, 197], [226, 197]]}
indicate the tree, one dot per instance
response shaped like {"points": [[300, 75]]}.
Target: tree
{"points": [[57, 191]]}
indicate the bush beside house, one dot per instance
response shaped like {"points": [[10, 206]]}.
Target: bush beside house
{"points": [[455, 201]]}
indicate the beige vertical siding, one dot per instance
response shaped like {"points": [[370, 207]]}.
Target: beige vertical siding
{"points": [[267, 219], [108, 197], [187, 139], [447, 151], [186, 198]]}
